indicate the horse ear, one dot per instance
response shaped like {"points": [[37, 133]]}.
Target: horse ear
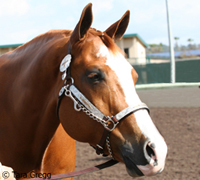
{"points": [[83, 24], [117, 30]]}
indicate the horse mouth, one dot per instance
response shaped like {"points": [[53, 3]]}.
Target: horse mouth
{"points": [[131, 167], [135, 171]]}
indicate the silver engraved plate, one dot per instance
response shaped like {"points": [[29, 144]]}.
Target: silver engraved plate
{"points": [[65, 63]]}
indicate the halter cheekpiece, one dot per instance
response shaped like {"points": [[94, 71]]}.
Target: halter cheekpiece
{"points": [[81, 103]]}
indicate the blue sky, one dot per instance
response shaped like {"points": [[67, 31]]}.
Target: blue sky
{"points": [[22, 20]]}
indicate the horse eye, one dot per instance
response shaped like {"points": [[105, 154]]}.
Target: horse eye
{"points": [[95, 77]]}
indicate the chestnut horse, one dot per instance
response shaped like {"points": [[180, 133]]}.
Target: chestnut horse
{"points": [[96, 88]]}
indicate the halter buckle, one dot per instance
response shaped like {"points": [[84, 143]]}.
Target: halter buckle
{"points": [[110, 123], [69, 81]]}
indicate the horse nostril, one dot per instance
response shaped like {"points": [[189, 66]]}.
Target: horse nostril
{"points": [[149, 149]]}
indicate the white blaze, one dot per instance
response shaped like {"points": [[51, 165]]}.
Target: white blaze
{"points": [[102, 52], [123, 69]]}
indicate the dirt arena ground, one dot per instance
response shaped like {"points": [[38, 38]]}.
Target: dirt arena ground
{"points": [[181, 130]]}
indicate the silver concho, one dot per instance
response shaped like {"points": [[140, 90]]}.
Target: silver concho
{"points": [[65, 63]]}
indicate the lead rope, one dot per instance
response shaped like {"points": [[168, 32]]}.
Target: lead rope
{"points": [[79, 173]]}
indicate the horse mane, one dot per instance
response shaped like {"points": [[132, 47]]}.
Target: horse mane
{"points": [[42, 39], [51, 35]]}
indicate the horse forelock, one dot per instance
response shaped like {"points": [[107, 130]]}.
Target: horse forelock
{"points": [[108, 42]]}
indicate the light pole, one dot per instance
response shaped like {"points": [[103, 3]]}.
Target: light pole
{"points": [[172, 59]]}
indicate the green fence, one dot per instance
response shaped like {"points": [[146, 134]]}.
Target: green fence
{"points": [[186, 71]]}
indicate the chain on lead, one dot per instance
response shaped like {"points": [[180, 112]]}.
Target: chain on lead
{"points": [[109, 146], [79, 107]]}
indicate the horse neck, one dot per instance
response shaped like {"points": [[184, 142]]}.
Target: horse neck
{"points": [[44, 80], [39, 76], [30, 101]]}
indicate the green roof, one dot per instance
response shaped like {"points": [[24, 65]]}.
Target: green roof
{"points": [[125, 36], [137, 36], [10, 45]]}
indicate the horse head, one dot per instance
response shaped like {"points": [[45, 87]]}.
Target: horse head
{"points": [[100, 78]]}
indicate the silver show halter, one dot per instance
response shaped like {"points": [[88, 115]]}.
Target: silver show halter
{"points": [[81, 103]]}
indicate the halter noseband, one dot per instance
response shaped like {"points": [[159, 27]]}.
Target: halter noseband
{"points": [[81, 103]]}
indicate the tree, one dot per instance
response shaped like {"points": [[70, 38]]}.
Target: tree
{"points": [[176, 46], [176, 38], [190, 40], [190, 45]]}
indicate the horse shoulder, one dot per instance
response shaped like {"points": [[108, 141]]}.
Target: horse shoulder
{"points": [[60, 155]]}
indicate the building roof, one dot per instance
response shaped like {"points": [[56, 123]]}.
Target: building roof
{"points": [[125, 36], [10, 45], [138, 37]]}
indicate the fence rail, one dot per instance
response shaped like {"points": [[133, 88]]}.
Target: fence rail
{"points": [[186, 71]]}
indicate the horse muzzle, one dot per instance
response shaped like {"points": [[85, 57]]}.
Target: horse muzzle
{"points": [[144, 159]]}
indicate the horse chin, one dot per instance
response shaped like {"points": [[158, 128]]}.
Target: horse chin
{"points": [[131, 168]]}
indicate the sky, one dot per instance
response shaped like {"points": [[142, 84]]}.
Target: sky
{"points": [[22, 20]]}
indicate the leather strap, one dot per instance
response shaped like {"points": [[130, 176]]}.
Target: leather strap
{"points": [[69, 52], [122, 114], [100, 147], [60, 97]]}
